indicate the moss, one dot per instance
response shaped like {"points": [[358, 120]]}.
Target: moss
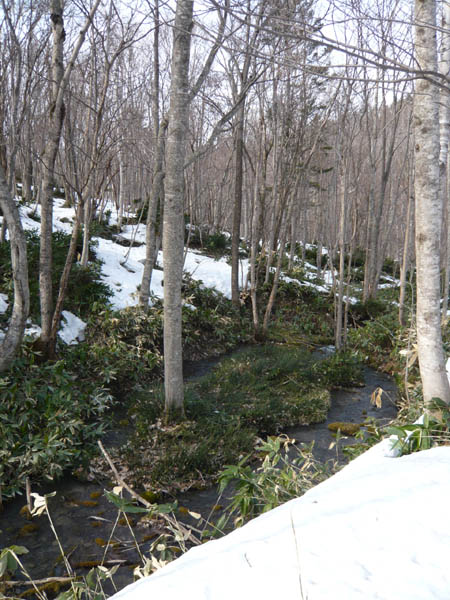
{"points": [[100, 542], [88, 564], [87, 503], [151, 496], [123, 522], [345, 428], [28, 529], [51, 586], [25, 512]]}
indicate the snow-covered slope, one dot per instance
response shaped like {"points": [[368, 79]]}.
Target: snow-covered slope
{"points": [[379, 529]]}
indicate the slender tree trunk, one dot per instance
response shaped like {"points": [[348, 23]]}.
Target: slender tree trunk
{"points": [[428, 208], [151, 248], [254, 249], [237, 208], [155, 200], [276, 280], [13, 338], [404, 265], [340, 294], [173, 239], [444, 123], [56, 118], [64, 281], [122, 189], [60, 78], [87, 217]]}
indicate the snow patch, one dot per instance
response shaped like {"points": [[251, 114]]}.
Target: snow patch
{"points": [[3, 303], [377, 529], [72, 328]]}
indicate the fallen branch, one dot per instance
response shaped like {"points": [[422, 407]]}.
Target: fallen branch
{"points": [[35, 582], [187, 533]]}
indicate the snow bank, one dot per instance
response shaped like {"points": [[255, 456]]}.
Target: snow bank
{"points": [[3, 303], [378, 529]]}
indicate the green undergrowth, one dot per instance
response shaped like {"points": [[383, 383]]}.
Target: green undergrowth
{"points": [[302, 315], [379, 341], [285, 472], [53, 412], [258, 391], [125, 348], [50, 419]]}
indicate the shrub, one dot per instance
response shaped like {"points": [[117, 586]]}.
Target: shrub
{"points": [[378, 342], [123, 347], [200, 236], [277, 480], [48, 421], [126, 346], [341, 369], [431, 430], [371, 309]]}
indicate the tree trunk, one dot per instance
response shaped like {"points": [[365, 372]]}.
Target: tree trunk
{"points": [[404, 265], [428, 208], [13, 338], [60, 79], [173, 239], [151, 247], [340, 294], [237, 208], [56, 118], [444, 122], [64, 281]]}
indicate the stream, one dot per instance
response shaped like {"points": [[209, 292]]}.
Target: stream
{"points": [[84, 519]]}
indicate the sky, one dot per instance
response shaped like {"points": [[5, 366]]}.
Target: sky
{"points": [[377, 530]]}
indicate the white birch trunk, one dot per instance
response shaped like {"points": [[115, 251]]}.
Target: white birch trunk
{"points": [[428, 208], [13, 338], [444, 130], [173, 239]]}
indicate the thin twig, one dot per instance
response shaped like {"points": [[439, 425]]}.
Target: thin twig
{"points": [[35, 582], [120, 481], [173, 522]]}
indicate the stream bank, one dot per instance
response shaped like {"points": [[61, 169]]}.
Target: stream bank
{"points": [[85, 520]]}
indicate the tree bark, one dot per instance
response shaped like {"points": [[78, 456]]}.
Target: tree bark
{"points": [[237, 207], [60, 78], [428, 208], [173, 239], [444, 123], [151, 245], [13, 338]]}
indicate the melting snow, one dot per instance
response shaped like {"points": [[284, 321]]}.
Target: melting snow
{"points": [[378, 529]]}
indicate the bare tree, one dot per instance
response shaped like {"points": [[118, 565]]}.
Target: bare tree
{"points": [[59, 81], [173, 225], [428, 207], [13, 338]]}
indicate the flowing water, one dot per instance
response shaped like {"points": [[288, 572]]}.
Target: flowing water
{"points": [[84, 519]]}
